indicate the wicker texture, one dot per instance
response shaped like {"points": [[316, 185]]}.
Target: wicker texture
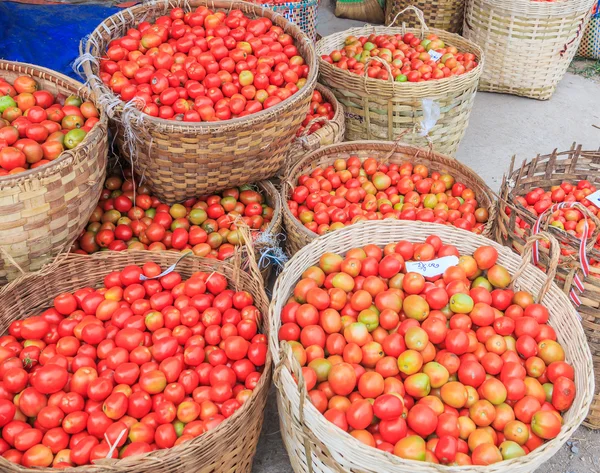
{"points": [[444, 15], [528, 44], [299, 236], [382, 110], [547, 171], [331, 132], [590, 43], [316, 445], [180, 160], [212, 452], [303, 13], [43, 210]]}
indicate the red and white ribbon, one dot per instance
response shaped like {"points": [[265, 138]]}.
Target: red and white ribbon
{"points": [[585, 264]]}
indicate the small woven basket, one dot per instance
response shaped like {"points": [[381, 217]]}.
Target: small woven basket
{"points": [[547, 171], [445, 15], [382, 110], [211, 452], [180, 160], [331, 132], [44, 209], [303, 13], [590, 43], [299, 236], [528, 44], [316, 445]]}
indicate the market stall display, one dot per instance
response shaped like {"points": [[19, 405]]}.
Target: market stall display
{"points": [[533, 192], [391, 98], [215, 402], [311, 438], [233, 151], [44, 208], [398, 183], [514, 34]]}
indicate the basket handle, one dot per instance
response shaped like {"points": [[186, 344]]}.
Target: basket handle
{"points": [[552, 263], [304, 132], [418, 13], [385, 65]]}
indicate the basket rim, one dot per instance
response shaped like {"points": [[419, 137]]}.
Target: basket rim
{"points": [[329, 150], [15, 179], [118, 19], [280, 295], [368, 29], [155, 456], [539, 7]]}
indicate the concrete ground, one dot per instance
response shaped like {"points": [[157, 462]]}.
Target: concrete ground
{"points": [[501, 126]]}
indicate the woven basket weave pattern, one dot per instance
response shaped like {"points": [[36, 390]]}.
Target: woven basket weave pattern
{"points": [[181, 160], [590, 43], [528, 44], [330, 133], [307, 433], [228, 448], [43, 210], [547, 171], [382, 110], [303, 14], [444, 15], [299, 236]]}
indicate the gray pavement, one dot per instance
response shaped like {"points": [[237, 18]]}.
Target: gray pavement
{"points": [[500, 127]]}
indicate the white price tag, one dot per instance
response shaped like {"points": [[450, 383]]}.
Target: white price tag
{"points": [[434, 55], [431, 268], [594, 198]]}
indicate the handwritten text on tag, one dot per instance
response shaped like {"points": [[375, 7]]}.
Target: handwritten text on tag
{"points": [[431, 268], [594, 198]]}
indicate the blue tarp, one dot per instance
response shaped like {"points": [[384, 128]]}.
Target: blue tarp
{"points": [[47, 35]]}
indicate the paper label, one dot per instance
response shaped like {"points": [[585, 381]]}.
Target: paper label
{"points": [[594, 198], [435, 55], [431, 268]]}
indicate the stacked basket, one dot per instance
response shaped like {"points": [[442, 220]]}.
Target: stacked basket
{"points": [[546, 171], [44, 209], [382, 110], [528, 44], [444, 15]]}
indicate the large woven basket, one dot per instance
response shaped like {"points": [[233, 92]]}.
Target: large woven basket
{"points": [[331, 132], [43, 210], [528, 44], [316, 445], [445, 15], [228, 448], [546, 171], [590, 43], [302, 13], [382, 110], [183, 159], [299, 236]]}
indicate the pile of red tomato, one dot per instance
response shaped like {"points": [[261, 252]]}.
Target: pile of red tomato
{"points": [[36, 127], [143, 364], [351, 190], [409, 58], [130, 218], [319, 107], [204, 65], [456, 369]]}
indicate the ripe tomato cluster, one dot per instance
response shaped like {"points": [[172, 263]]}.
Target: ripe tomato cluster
{"points": [[143, 364], [351, 190], [204, 65], [410, 58], [36, 127], [456, 369], [130, 218], [319, 107]]}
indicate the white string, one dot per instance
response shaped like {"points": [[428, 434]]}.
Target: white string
{"points": [[114, 446]]}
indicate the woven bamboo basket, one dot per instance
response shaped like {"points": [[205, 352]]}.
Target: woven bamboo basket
{"points": [[299, 236], [303, 14], [445, 15], [44, 209], [546, 171], [528, 44], [213, 451], [332, 131], [316, 445], [183, 159], [382, 110], [590, 43]]}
